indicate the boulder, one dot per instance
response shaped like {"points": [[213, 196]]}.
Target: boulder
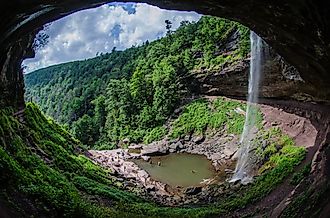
{"points": [[145, 158], [156, 148], [193, 190], [135, 146], [134, 156], [180, 145], [150, 188], [187, 138], [216, 156], [142, 174], [174, 146], [230, 149], [198, 139]]}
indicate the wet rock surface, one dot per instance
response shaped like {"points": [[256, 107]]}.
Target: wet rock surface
{"points": [[193, 190]]}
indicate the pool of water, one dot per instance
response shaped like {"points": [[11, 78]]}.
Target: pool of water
{"points": [[134, 150], [179, 169]]}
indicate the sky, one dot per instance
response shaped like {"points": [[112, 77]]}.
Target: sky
{"points": [[84, 34]]}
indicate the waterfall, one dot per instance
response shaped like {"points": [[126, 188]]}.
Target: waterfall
{"points": [[243, 167]]}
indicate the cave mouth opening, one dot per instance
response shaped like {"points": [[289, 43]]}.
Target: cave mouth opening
{"points": [[246, 198], [84, 94]]}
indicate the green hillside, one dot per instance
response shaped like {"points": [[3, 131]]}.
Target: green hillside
{"points": [[132, 93]]}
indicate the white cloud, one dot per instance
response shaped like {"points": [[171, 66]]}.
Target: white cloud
{"points": [[83, 34]]}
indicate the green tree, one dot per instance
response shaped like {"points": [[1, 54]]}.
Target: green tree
{"points": [[120, 110], [85, 130], [168, 27], [166, 87], [100, 112]]}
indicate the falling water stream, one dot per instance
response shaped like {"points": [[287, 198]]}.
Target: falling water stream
{"points": [[243, 167]]}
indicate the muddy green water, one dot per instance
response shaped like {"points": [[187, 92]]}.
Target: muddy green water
{"points": [[178, 169]]}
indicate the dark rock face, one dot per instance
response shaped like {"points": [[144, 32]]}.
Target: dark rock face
{"points": [[279, 81], [11, 75]]}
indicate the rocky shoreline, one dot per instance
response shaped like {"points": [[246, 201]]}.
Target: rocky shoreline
{"points": [[220, 149]]}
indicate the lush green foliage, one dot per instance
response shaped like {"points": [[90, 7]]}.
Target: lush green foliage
{"points": [[126, 94], [201, 115], [25, 150], [194, 119], [155, 134], [300, 175]]}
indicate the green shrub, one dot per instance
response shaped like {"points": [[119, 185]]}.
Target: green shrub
{"points": [[281, 164], [155, 134], [194, 119], [105, 146], [200, 115], [25, 151], [300, 175]]}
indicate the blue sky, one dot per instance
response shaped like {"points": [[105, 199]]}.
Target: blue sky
{"points": [[121, 25]]}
